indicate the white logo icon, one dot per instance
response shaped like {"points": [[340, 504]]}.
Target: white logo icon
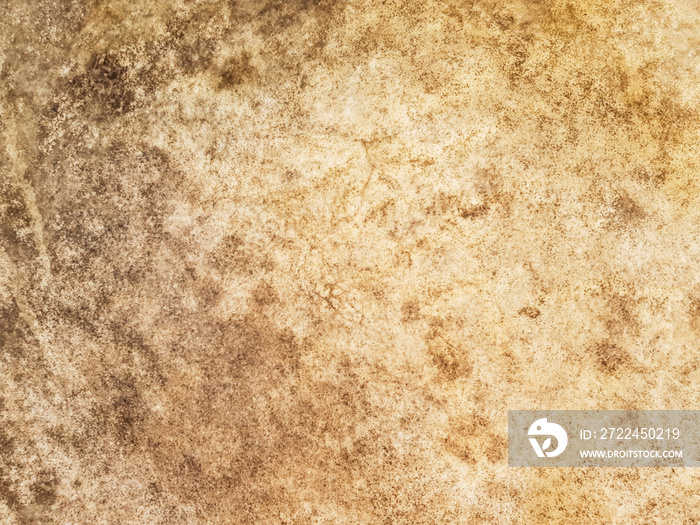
{"points": [[543, 428]]}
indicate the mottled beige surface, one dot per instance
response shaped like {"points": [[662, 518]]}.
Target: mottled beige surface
{"points": [[292, 262]]}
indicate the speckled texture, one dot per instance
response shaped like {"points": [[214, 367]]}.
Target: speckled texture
{"points": [[292, 262]]}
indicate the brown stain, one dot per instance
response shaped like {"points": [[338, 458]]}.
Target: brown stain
{"points": [[530, 311], [106, 83], [232, 253], [410, 311], [487, 195], [241, 417], [472, 441], [620, 95], [264, 294], [610, 357], [44, 489], [621, 318], [452, 362], [627, 211], [236, 71], [10, 328], [694, 313], [16, 224], [197, 56], [8, 494], [241, 485], [123, 412], [473, 212]]}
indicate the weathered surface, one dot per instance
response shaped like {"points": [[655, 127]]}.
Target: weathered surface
{"points": [[292, 262]]}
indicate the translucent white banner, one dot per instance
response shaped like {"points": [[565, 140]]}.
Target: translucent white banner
{"points": [[604, 438]]}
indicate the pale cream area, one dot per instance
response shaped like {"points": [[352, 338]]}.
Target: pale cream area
{"points": [[292, 262]]}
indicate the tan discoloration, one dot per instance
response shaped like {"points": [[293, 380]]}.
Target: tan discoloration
{"points": [[292, 262]]}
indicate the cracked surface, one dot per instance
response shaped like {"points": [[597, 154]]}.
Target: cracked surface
{"points": [[292, 262]]}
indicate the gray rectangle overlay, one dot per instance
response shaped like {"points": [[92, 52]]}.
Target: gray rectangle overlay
{"points": [[604, 438]]}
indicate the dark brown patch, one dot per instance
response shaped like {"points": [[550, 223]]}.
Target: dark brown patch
{"points": [[242, 364], [474, 212], [410, 311], [530, 311], [197, 56], [15, 223], [8, 493], [627, 211], [458, 204], [441, 203], [44, 489], [107, 83], [451, 361], [694, 313], [655, 176], [16, 335], [9, 317], [610, 357], [7, 444], [233, 254], [496, 448], [621, 317], [122, 414], [472, 441], [236, 71], [264, 294]]}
